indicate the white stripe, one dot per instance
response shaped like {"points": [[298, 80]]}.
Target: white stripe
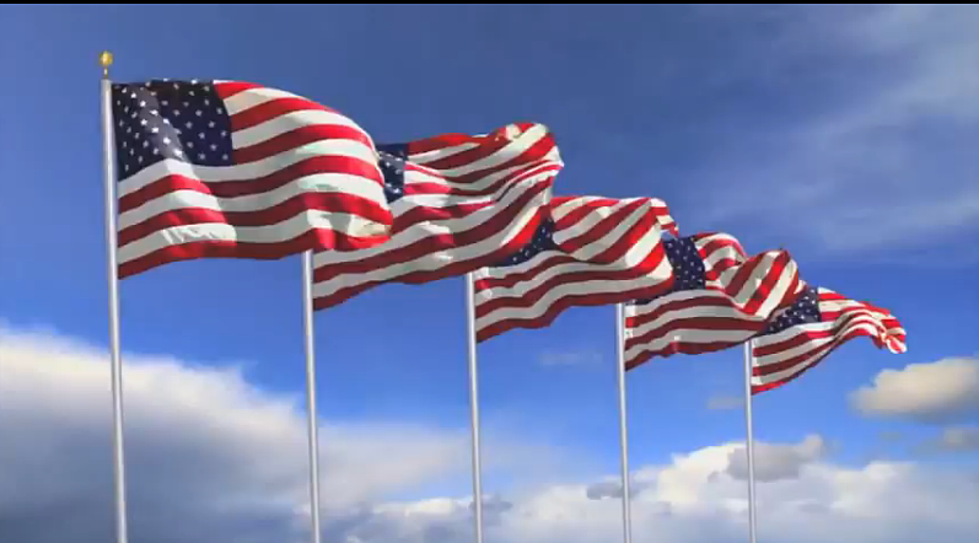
{"points": [[277, 233], [326, 183], [427, 229], [662, 321], [688, 336], [282, 124], [596, 215], [631, 259], [252, 170], [439, 154], [484, 182], [512, 150], [255, 97], [542, 304], [429, 262]]}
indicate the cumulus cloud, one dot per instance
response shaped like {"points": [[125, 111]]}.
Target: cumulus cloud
{"points": [[215, 458], [774, 462], [939, 391]]}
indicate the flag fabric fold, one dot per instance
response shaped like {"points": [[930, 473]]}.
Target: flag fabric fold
{"points": [[720, 298], [459, 202], [226, 169], [804, 333], [588, 251]]}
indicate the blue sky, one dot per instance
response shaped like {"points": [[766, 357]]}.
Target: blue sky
{"points": [[846, 135]]}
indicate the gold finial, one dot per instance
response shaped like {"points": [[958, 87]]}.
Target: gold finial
{"points": [[105, 59]]}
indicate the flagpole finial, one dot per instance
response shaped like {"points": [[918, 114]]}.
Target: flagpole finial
{"points": [[105, 60]]}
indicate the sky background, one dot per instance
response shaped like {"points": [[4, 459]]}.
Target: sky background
{"points": [[846, 135]]}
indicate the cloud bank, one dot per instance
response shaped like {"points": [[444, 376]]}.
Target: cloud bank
{"points": [[212, 457]]}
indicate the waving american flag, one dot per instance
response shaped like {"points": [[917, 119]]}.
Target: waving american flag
{"points": [[588, 251], [820, 320], [238, 170], [720, 298], [459, 202]]}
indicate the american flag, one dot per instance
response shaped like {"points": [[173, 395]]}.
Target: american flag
{"points": [[459, 202], [801, 335], [588, 251], [238, 170], [720, 299]]}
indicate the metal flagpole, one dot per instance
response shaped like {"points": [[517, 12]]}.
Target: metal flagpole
{"points": [[623, 425], [109, 169], [313, 439], [750, 444], [474, 407]]}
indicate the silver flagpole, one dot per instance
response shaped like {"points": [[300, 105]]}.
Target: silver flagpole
{"points": [[474, 407], [313, 439], [109, 169], [750, 444], [623, 425]]}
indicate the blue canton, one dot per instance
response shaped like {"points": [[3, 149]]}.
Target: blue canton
{"points": [[176, 120], [392, 163], [689, 272], [804, 310], [543, 240]]}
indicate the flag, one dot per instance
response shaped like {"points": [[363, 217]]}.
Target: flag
{"points": [[459, 202], [720, 298], [238, 170], [588, 251], [820, 320]]}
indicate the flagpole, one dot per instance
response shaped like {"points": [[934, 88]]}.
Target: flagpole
{"points": [[750, 443], [313, 438], [474, 408], [623, 425], [109, 170]]}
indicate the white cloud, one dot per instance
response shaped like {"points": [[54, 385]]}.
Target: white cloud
{"points": [[944, 390], [213, 458], [207, 452], [883, 157], [775, 462]]}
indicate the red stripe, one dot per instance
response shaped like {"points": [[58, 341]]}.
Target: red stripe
{"points": [[504, 184], [603, 228], [327, 202], [705, 324], [532, 296], [555, 309], [293, 139], [320, 239], [763, 291], [458, 267], [277, 107], [434, 244], [259, 185], [538, 152], [228, 89], [678, 347], [489, 147]]}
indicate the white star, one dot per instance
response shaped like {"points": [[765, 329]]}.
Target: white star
{"points": [[224, 133], [193, 81], [156, 151], [176, 112], [224, 156], [199, 112], [189, 124], [142, 103], [154, 113], [143, 122], [146, 143], [155, 130], [125, 144], [210, 124], [165, 103], [200, 156], [214, 147], [186, 104], [220, 111], [191, 93], [201, 135], [178, 152], [166, 121], [140, 159], [121, 123], [190, 144], [166, 140]]}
